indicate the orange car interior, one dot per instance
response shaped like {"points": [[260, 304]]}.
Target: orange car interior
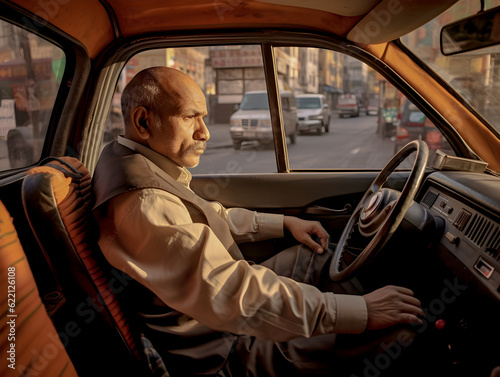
{"points": [[32, 345], [57, 199]]}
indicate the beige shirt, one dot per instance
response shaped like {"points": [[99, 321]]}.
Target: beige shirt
{"points": [[167, 246]]}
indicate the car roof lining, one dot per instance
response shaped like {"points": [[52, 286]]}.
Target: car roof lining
{"points": [[97, 23], [342, 8]]}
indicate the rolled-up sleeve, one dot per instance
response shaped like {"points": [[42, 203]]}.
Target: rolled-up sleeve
{"points": [[150, 235]]}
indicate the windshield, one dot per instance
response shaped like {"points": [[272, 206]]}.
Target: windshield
{"points": [[308, 103], [255, 101], [474, 75], [347, 101]]}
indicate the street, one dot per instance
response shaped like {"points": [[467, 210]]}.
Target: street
{"points": [[352, 143]]}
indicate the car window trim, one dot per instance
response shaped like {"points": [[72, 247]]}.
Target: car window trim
{"points": [[275, 107], [97, 111]]}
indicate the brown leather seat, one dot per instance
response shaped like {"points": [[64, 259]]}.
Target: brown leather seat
{"points": [[57, 198]]}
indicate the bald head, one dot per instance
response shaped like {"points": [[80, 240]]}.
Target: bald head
{"points": [[155, 88], [163, 108]]}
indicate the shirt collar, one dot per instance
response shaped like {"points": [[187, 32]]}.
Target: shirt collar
{"points": [[177, 172]]}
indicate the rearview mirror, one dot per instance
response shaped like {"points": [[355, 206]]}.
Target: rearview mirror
{"points": [[471, 33]]}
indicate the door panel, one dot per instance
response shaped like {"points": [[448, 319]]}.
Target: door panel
{"points": [[285, 190], [294, 193]]}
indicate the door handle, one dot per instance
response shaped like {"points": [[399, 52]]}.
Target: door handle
{"points": [[319, 210]]}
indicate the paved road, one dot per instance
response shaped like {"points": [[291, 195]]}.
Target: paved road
{"points": [[351, 143]]}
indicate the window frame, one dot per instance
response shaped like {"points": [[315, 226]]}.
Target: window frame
{"points": [[60, 130]]}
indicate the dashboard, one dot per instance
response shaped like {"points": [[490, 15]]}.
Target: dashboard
{"points": [[469, 204]]}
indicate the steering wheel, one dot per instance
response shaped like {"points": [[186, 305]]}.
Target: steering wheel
{"points": [[380, 211]]}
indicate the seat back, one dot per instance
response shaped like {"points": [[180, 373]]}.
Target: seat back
{"points": [[30, 342], [57, 199]]}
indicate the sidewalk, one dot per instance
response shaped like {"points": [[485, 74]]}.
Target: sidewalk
{"points": [[219, 136]]}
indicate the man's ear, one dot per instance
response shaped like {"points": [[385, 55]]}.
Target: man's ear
{"points": [[140, 121]]}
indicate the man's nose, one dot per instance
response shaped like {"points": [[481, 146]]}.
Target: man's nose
{"points": [[202, 132]]}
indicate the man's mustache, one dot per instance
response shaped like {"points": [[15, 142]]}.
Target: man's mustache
{"points": [[198, 145]]}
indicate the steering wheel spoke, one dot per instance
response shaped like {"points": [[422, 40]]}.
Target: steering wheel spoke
{"points": [[380, 211]]}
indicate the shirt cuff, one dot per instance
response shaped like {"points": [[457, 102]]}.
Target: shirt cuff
{"points": [[352, 314], [270, 224]]}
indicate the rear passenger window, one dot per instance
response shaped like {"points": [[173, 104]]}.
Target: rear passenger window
{"points": [[31, 69]]}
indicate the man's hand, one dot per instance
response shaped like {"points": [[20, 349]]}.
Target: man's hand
{"points": [[304, 230], [390, 306]]}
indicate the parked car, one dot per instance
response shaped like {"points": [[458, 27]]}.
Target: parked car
{"points": [[313, 113], [434, 229], [348, 105], [252, 120]]}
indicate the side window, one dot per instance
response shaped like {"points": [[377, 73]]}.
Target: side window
{"points": [[348, 116], [30, 72], [239, 120], [338, 113]]}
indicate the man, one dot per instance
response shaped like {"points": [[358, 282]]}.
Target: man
{"points": [[206, 308]]}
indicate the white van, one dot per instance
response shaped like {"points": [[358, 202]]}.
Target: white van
{"points": [[313, 113], [252, 120]]}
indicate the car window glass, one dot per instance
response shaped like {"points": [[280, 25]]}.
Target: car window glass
{"points": [[239, 120], [255, 101], [30, 74], [363, 122], [308, 103]]}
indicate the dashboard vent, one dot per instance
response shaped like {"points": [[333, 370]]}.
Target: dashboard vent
{"points": [[462, 219], [493, 245], [479, 230]]}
